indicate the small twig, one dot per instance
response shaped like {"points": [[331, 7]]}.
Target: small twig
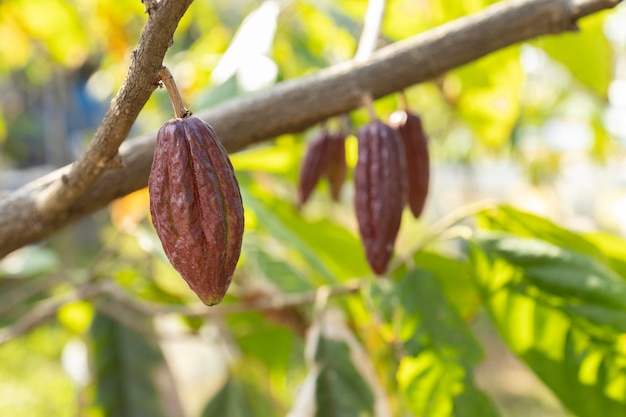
{"points": [[45, 310], [123, 316], [167, 79], [371, 30], [26, 290], [271, 303]]}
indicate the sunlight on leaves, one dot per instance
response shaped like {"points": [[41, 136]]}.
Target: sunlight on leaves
{"points": [[546, 309], [587, 54], [488, 95]]}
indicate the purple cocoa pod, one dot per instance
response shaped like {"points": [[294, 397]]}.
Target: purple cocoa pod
{"points": [[379, 188], [196, 206], [417, 160], [336, 167], [313, 165]]}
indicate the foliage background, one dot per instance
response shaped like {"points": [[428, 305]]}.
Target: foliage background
{"points": [[539, 126]]}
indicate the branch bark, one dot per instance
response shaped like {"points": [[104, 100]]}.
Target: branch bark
{"points": [[293, 106], [142, 79]]}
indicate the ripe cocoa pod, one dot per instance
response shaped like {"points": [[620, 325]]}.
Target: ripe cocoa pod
{"points": [[379, 188], [313, 164], [196, 206], [336, 164], [417, 160]]}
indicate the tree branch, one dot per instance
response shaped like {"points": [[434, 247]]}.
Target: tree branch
{"points": [[139, 84], [295, 105], [115, 302]]}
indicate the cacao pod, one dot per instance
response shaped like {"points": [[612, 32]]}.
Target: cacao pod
{"points": [[417, 160], [196, 206], [336, 164], [313, 165], [379, 188]]}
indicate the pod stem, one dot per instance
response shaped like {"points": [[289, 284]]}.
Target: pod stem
{"points": [[404, 103], [167, 79], [368, 103]]}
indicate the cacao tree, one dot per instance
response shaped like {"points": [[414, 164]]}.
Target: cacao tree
{"points": [[470, 262]]}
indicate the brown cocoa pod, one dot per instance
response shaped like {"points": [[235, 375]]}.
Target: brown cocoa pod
{"points": [[379, 188], [313, 164], [336, 167], [415, 143], [196, 206]]}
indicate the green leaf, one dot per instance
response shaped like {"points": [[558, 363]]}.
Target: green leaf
{"points": [[428, 384], [489, 95], [418, 312], [279, 271], [508, 219], [559, 271], [342, 380], [131, 376], [434, 387], [587, 53], [340, 389], [455, 281], [557, 327], [239, 398], [33, 381], [435, 378], [310, 244], [275, 346], [613, 248]]}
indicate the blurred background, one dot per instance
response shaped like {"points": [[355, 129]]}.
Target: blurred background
{"points": [[540, 125]]}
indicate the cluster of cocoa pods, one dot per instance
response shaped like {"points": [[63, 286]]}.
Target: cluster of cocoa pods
{"points": [[196, 204], [392, 172]]}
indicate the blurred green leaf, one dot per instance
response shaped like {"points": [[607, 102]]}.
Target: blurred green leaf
{"points": [[417, 311], [435, 387], [131, 375], [239, 398], [587, 53], [435, 376], [32, 380], [342, 380], [612, 247], [487, 94], [511, 220], [565, 325], [455, 281], [559, 271], [340, 389], [275, 346], [317, 243], [280, 158], [76, 316], [278, 271]]}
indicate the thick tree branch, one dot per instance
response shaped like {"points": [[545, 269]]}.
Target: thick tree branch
{"points": [[139, 84], [295, 105]]}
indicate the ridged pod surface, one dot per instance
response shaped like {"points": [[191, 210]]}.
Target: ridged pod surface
{"points": [[379, 188], [336, 167], [417, 160], [196, 206], [313, 165]]}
